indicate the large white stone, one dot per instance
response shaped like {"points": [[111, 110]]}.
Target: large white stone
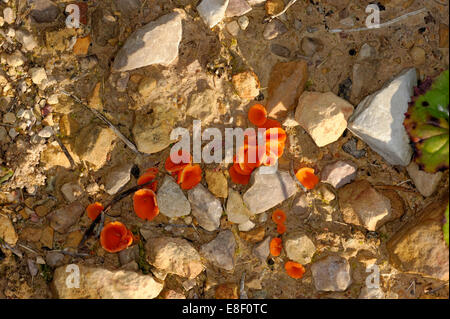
{"points": [[171, 199], [155, 43], [378, 119], [205, 207], [212, 11]]}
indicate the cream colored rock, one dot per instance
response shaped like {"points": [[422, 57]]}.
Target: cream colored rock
{"points": [[217, 183], [246, 84], [323, 115], [236, 210], [7, 231], [99, 283], [426, 183]]}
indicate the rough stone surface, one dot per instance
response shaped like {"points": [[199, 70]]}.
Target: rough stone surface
{"points": [[426, 183], [363, 205], [331, 274], [175, 256], [236, 210], [205, 207], [339, 173], [151, 136], [61, 219], [171, 200], [286, 84], [212, 11], [419, 246], [155, 43], [378, 119], [237, 8], [221, 250], [54, 259], [299, 248], [274, 29], [217, 183], [71, 191], [44, 11], [7, 231], [301, 207], [323, 115], [262, 249], [117, 178], [99, 283], [203, 105], [280, 186], [246, 84], [93, 143]]}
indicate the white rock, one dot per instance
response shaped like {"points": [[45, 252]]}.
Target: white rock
{"points": [[27, 40], [9, 15], [236, 8], [256, 2], [117, 178], [299, 248], [339, 173], [247, 226], [236, 210], [243, 22], [15, 59], [46, 132], [378, 119], [171, 200], [331, 274], [38, 75], [233, 28], [426, 183], [212, 11], [155, 43], [268, 190], [206, 208]]}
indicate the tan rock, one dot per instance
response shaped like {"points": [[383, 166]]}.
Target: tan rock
{"points": [[53, 156], [146, 86], [274, 6], [253, 236], [73, 239], [7, 231], [217, 183], [362, 205], [81, 47], [426, 183], [323, 115], [47, 237], [152, 136], [419, 246], [286, 84], [246, 84], [443, 36], [227, 291], [99, 283], [31, 234], [61, 219]]}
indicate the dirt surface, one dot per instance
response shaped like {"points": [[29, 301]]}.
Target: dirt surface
{"points": [[207, 59]]}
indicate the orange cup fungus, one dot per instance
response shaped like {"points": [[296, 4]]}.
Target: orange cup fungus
{"points": [[276, 245], [294, 270], [177, 166], [281, 228], [149, 175], [115, 237], [257, 115], [307, 177], [145, 205], [278, 216], [93, 210], [190, 176]]}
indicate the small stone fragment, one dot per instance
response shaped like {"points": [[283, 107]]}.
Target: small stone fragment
{"points": [[220, 251], [63, 218], [171, 200], [236, 210], [426, 183], [339, 173], [274, 29], [117, 178], [236, 8], [7, 231], [299, 248], [331, 274], [212, 11], [246, 84], [262, 250], [205, 207]]}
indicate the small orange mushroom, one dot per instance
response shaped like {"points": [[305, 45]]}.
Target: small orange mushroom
{"points": [[238, 178], [149, 175], [281, 228], [176, 166], [93, 210], [190, 176], [307, 177], [257, 114], [276, 245], [294, 270], [277, 134], [145, 205], [270, 123], [115, 237], [278, 216]]}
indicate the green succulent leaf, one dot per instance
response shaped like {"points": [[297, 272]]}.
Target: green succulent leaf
{"points": [[427, 124], [445, 228]]}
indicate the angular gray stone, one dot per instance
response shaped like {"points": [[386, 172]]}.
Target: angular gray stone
{"points": [[378, 119], [117, 178], [54, 259], [426, 183], [262, 250], [100, 283], [331, 274], [339, 173], [236, 8], [205, 207], [212, 11], [44, 11], [301, 207], [61, 219], [175, 256], [274, 29], [268, 190], [299, 248], [171, 200], [155, 43], [220, 251]]}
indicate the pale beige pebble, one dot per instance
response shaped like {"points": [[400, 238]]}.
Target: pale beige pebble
{"points": [[38, 75], [100, 283], [7, 231], [246, 84], [217, 183], [323, 115], [274, 6], [426, 183], [9, 118], [418, 55], [147, 86], [53, 156]]}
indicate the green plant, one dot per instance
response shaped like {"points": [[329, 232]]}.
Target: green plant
{"points": [[427, 123]]}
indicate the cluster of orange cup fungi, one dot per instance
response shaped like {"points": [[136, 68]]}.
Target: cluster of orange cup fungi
{"points": [[188, 175], [275, 139], [293, 269]]}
